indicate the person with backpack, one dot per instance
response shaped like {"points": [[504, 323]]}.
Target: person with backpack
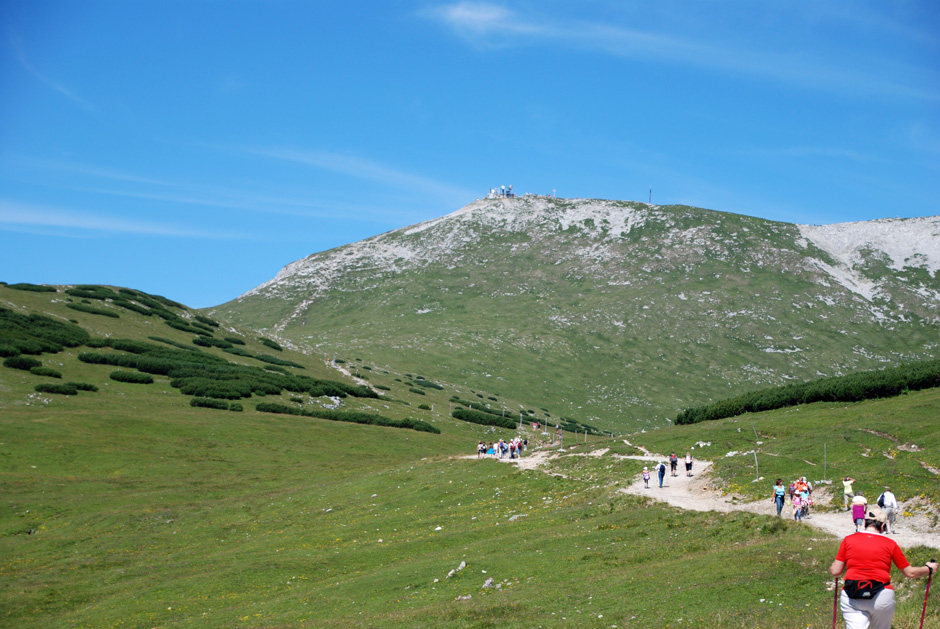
{"points": [[661, 470], [646, 478], [889, 503], [673, 463], [688, 463], [867, 598]]}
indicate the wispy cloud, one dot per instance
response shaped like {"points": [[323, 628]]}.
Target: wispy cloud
{"points": [[18, 215], [486, 25], [365, 169], [20, 55]]}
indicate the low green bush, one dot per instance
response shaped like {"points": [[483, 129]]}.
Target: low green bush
{"points": [[417, 391], [60, 389], [274, 360], [202, 402], [36, 334], [424, 407], [234, 340], [133, 377], [173, 343], [355, 417], [206, 320], [36, 288], [211, 342], [83, 386], [6, 351], [22, 362], [45, 371], [100, 293], [429, 385], [93, 310], [485, 419], [272, 344], [865, 385], [235, 406]]}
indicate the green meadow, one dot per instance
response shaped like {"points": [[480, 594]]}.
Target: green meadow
{"points": [[128, 507]]}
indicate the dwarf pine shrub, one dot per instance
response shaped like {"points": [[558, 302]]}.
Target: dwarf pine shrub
{"points": [[485, 419], [92, 310], [133, 377], [65, 388], [21, 362], [206, 320], [269, 343], [234, 340], [202, 402], [83, 386], [45, 371], [35, 288]]}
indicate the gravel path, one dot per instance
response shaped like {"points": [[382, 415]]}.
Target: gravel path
{"points": [[695, 493]]}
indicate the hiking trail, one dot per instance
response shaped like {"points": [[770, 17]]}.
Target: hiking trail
{"points": [[697, 493]]}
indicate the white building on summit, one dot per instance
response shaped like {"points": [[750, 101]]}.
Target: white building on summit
{"points": [[503, 192]]}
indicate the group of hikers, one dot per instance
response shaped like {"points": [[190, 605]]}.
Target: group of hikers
{"points": [[660, 468], [798, 494], [514, 448], [858, 504]]}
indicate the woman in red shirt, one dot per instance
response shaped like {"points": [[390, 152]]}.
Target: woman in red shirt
{"points": [[867, 599]]}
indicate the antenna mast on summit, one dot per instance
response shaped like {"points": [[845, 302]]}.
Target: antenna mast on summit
{"points": [[651, 195]]}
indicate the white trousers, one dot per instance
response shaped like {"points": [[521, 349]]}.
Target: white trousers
{"points": [[876, 613]]}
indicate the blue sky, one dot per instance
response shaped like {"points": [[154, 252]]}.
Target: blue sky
{"points": [[192, 149]]}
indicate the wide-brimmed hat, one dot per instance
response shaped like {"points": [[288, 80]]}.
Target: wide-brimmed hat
{"points": [[876, 514]]}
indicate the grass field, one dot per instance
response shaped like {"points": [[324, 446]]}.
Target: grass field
{"points": [[129, 508]]}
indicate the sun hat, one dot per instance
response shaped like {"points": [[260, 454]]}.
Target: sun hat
{"points": [[877, 515]]}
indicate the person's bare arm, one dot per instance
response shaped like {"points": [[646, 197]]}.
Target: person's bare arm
{"points": [[836, 568], [916, 572]]}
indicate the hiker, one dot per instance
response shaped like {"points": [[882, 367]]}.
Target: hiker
{"points": [[646, 478], [481, 450], [673, 463], [780, 493], [804, 498], [867, 598], [512, 448], [661, 470], [889, 503], [688, 463], [859, 505], [847, 493], [797, 508]]}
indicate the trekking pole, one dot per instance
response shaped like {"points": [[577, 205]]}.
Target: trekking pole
{"points": [[835, 604], [926, 594]]}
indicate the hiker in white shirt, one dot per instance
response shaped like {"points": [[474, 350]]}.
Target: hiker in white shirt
{"points": [[891, 509]]}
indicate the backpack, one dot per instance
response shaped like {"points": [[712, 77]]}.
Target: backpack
{"points": [[881, 501]]}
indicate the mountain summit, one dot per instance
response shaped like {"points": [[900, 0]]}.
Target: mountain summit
{"points": [[611, 311]]}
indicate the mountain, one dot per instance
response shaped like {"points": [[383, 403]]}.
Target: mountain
{"points": [[619, 313]]}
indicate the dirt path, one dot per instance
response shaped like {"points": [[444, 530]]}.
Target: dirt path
{"points": [[695, 493]]}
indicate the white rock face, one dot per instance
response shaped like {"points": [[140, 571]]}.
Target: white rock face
{"points": [[913, 242]]}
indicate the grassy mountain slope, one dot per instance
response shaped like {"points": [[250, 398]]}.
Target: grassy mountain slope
{"points": [[129, 507], [614, 312]]}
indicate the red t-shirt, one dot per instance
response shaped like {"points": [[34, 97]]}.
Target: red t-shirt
{"points": [[868, 557]]}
